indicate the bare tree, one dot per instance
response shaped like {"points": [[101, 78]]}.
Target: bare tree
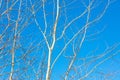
{"points": [[44, 39]]}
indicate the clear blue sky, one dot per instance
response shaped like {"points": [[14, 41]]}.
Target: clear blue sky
{"points": [[106, 30], [109, 26]]}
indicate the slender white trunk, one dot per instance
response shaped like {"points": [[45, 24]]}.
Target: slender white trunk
{"points": [[48, 65], [53, 44]]}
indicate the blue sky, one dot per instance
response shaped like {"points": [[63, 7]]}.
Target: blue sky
{"points": [[109, 27], [111, 19], [101, 37]]}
